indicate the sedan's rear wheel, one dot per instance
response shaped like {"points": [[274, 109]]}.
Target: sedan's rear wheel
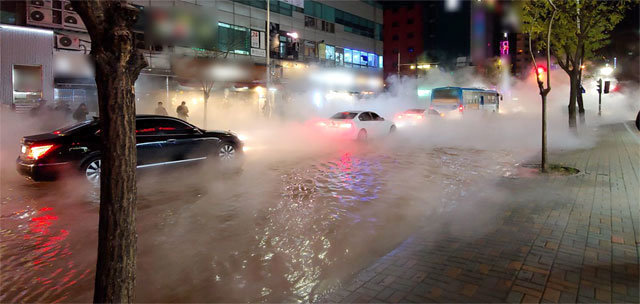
{"points": [[227, 152], [92, 170]]}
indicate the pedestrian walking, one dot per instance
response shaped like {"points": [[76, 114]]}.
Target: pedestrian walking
{"points": [[39, 109], [81, 113], [160, 110], [183, 111]]}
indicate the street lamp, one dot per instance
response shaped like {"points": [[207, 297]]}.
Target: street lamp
{"points": [[606, 70]]}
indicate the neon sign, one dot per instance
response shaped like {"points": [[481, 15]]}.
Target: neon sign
{"points": [[504, 47]]}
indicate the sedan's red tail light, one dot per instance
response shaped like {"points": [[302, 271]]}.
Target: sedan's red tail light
{"points": [[461, 108], [36, 152], [346, 125]]}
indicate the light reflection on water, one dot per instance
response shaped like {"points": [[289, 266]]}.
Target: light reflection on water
{"points": [[42, 267], [284, 232]]}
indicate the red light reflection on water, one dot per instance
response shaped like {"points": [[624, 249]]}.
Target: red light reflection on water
{"points": [[50, 271]]}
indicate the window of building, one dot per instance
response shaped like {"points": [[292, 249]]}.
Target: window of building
{"points": [[394, 10], [395, 37], [309, 22], [410, 21], [356, 57], [347, 55], [232, 38], [279, 7], [352, 23], [330, 52], [410, 49], [394, 24], [395, 51], [410, 35]]}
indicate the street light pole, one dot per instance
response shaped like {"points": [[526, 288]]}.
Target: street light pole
{"points": [[268, 46], [398, 64]]}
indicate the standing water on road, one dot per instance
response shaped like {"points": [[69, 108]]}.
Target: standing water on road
{"points": [[283, 229]]}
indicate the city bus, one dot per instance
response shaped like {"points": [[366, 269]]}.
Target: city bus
{"points": [[447, 101]]}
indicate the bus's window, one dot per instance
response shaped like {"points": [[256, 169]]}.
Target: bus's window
{"points": [[446, 95]]}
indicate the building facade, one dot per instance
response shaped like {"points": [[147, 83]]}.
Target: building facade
{"points": [[451, 34], [343, 34]]}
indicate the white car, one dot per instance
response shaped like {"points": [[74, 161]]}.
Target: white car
{"points": [[358, 125]]}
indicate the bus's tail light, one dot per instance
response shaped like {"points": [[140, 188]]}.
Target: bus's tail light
{"points": [[36, 152]]}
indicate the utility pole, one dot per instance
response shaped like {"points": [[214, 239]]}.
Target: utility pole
{"points": [[398, 64], [268, 46]]}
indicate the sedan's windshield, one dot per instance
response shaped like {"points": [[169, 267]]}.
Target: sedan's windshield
{"points": [[344, 115]]}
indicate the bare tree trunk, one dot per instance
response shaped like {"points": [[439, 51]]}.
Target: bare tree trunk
{"points": [[579, 88], [543, 159], [205, 94], [579, 99], [573, 80], [117, 66]]}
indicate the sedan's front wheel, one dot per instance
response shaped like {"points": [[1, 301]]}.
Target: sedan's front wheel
{"points": [[227, 152]]}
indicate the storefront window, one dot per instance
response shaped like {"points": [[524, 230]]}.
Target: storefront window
{"points": [[339, 56], [27, 83], [356, 57], [330, 51], [372, 59], [364, 58], [347, 55]]}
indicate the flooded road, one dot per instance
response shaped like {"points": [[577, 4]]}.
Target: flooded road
{"points": [[288, 228]]}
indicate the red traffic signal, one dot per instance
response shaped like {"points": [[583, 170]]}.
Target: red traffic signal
{"points": [[540, 71]]}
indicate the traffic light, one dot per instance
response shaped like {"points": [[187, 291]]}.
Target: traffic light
{"points": [[599, 84], [540, 70], [607, 84]]}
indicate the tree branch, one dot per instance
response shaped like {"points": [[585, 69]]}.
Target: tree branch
{"points": [[553, 16]]}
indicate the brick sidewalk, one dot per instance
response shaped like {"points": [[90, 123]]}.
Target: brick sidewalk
{"points": [[576, 241]]}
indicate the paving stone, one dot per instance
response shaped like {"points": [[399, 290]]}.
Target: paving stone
{"points": [[551, 295]]}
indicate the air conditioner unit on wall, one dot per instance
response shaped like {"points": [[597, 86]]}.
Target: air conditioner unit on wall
{"points": [[39, 16], [71, 20], [40, 3], [67, 6], [67, 42]]}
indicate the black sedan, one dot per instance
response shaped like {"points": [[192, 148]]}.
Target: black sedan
{"points": [[161, 141]]}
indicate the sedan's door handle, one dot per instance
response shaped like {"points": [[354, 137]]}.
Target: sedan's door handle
{"points": [[172, 140]]}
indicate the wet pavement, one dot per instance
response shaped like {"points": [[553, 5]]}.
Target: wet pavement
{"points": [[289, 228], [560, 239]]}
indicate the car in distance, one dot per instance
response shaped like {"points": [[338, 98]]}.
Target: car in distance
{"points": [[359, 125], [411, 117], [161, 141]]}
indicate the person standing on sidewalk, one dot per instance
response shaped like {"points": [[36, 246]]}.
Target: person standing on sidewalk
{"points": [[81, 113], [183, 111], [160, 110]]}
